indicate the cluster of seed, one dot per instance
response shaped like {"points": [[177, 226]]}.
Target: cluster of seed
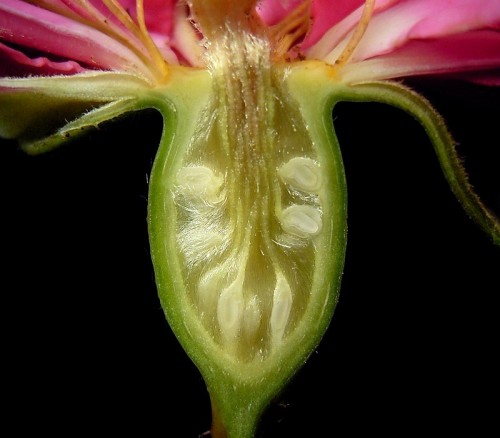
{"points": [[220, 291], [303, 179]]}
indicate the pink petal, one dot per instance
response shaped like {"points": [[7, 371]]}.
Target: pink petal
{"points": [[474, 54], [324, 13], [419, 19], [15, 63], [327, 13], [30, 26], [159, 15], [414, 37], [330, 28], [186, 40], [169, 26], [491, 78], [273, 11]]}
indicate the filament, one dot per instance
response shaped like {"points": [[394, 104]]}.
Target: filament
{"points": [[139, 31], [285, 33], [132, 35], [358, 33]]}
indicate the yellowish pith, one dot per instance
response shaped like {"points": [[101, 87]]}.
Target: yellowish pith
{"points": [[249, 193]]}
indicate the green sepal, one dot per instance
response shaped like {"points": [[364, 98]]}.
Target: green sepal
{"points": [[80, 126], [399, 96], [45, 112]]}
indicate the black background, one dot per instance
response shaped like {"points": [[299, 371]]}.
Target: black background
{"points": [[412, 345]]}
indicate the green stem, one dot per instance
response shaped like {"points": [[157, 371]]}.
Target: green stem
{"points": [[401, 97], [237, 421], [218, 428]]}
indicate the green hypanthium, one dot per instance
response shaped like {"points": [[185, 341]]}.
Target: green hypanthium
{"points": [[247, 220]]}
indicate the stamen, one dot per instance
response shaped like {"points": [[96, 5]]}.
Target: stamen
{"points": [[140, 42], [93, 17], [122, 15], [148, 41], [357, 34], [140, 32], [288, 31]]}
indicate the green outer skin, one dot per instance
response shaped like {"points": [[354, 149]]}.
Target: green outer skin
{"points": [[240, 392]]}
